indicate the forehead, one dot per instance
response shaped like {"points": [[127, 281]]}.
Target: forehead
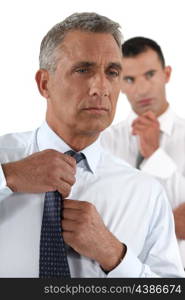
{"points": [[141, 63], [89, 46]]}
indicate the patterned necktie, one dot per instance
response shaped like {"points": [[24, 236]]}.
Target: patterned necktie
{"points": [[53, 258]]}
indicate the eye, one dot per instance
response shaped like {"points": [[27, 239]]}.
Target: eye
{"points": [[113, 73], [82, 70], [129, 80], [150, 74]]}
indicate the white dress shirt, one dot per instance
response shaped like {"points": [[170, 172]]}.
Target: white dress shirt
{"points": [[167, 163], [132, 205]]}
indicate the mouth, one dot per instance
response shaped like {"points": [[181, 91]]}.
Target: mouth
{"points": [[145, 102], [97, 110]]}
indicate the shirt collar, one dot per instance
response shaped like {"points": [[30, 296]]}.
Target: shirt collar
{"points": [[166, 120], [48, 139]]}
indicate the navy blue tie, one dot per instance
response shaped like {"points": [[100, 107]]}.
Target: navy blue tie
{"points": [[53, 258], [139, 160]]}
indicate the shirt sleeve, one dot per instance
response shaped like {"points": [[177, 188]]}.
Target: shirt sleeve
{"points": [[156, 259], [5, 191]]}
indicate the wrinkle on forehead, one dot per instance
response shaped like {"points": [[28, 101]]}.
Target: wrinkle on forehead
{"points": [[78, 45]]}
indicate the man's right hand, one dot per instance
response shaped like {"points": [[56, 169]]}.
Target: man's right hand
{"points": [[147, 128], [179, 217], [43, 171]]}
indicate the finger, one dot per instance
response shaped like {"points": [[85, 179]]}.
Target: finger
{"points": [[62, 180], [139, 127], [70, 160], [68, 237], [135, 121], [59, 158], [61, 169], [64, 189], [67, 176], [70, 213], [154, 123], [144, 121], [137, 132], [150, 115], [68, 225], [72, 204], [76, 204]]}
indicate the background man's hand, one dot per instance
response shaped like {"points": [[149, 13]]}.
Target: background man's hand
{"points": [[85, 232], [44, 171], [147, 128], [179, 217]]}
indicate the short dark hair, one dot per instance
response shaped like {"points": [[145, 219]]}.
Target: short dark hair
{"points": [[138, 45]]}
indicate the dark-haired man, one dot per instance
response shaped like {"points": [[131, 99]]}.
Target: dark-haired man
{"points": [[153, 136]]}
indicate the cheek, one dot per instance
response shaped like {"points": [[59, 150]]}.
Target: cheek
{"points": [[131, 97], [76, 90], [129, 91], [114, 97], [159, 84]]}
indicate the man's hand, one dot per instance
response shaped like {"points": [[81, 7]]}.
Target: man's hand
{"points": [[179, 217], [85, 232], [148, 130], [44, 171]]}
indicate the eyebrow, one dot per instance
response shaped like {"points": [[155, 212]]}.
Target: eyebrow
{"points": [[128, 76], [115, 65], [88, 64], [132, 76]]}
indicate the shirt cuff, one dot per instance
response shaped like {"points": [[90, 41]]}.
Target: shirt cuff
{"points": [[5, 191], [159, 164], [129, 267]]}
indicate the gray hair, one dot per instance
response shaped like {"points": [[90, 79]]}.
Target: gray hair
{"points": [[90, 22]]}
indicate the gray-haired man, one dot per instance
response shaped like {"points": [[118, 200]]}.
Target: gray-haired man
{"points": [[110, 227]]}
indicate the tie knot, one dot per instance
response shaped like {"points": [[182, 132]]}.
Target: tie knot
{"points": [[77, 156]]}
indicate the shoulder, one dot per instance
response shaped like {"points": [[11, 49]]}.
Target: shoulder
{"points": [[16, 145], [178, 129], [16, 139], [179, 121]]}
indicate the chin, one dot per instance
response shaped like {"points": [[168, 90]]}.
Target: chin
{"points": [[99, 125], [95, 131]]}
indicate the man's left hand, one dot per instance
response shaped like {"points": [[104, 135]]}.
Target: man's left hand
{"points": [[147, 128], [85, 232]]}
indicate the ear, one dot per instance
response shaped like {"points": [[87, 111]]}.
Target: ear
{"points": [[167, 71], [42, 79]]}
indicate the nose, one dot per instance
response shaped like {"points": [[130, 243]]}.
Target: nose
{"points": [[142, 87], [99, 86]]}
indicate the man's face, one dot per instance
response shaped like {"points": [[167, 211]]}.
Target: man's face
{"points": [[144, 80], [83, 91]]}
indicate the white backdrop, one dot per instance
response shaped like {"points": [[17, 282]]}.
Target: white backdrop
{"points": [[24, 23]]}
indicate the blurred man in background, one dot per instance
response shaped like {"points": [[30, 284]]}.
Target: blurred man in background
{"points": [[152, 138]]}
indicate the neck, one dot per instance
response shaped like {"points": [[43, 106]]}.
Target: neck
{"points": [[79, 143], [76, 141]]}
